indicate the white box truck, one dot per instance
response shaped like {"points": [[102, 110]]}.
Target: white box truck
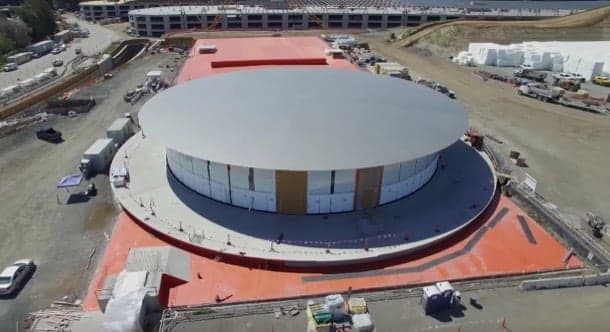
{"points": [[120, 130], [98, 157]]}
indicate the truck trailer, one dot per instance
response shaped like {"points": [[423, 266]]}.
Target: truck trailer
{"points": [[98, 157], [120, 130], [20, 58], [42, 47]]}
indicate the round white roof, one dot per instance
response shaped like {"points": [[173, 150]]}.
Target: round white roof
{"points": [[303, 119]]}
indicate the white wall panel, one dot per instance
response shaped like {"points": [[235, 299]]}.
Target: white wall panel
{"points": [[391, 174], [271, 203], [325, 203], [241, 197], [239, 177], [342, 202], [345, 181], [200, 168], [313, 204], [388, 193], [264, 180], [219, 173], [260, 201], [219, 192], [407, 170], [318, 182]]}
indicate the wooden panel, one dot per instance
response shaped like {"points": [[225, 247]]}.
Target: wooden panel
{"points": [[291, 192], [368, 185]]}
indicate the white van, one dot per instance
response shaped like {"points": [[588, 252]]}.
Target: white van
{"points": [[11, 66]]}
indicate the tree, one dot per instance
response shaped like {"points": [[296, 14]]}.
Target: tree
{"points": [[6, 45], [16, 31], [39, 17]]}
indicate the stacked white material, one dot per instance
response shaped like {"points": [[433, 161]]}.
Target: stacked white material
{"points": [[464, 59], [362, 323], [335, 305], [509, 57], [483, 53], [585, 58], [124, 312]]}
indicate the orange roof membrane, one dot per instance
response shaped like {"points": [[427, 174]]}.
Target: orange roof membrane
{"points": [[260, 52], [508, 242]]}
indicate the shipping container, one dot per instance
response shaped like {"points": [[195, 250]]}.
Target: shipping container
{"points": [[120, 130], [99, 155]]}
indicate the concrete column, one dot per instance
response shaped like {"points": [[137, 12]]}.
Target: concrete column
{"points": [[166, 23], [224, 23], [305, 21], [285, 21], [345, 22], [265, 21], [384, 21], [365, 21]]}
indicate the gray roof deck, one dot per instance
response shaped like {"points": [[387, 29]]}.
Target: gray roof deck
{"points": [[303, 119]]}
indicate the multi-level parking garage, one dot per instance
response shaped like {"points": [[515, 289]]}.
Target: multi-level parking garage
{"points": [[153, 18]]}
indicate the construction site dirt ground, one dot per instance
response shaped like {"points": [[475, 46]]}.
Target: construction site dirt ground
{"points": [[566, 150], [60, 237]]}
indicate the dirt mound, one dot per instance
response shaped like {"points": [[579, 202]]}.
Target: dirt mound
{"points": [[579, 20]]}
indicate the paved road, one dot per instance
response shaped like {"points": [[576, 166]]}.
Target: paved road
{"points": [[59, 237], [99, 39]]}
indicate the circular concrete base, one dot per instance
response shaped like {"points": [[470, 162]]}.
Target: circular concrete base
{"points": [[459, 192]]}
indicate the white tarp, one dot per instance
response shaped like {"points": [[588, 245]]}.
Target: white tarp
{"points": [[586, 58]]}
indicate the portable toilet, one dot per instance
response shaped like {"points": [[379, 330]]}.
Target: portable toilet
{"points": [[446, 290], [431, 299]]}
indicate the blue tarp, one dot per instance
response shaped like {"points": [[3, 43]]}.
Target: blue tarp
{"points": [[70, 181]]}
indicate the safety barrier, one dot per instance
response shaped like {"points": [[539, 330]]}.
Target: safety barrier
{"points": [[52, 90], [562, 282]]}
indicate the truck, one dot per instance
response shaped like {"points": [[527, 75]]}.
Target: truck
{"points": [[20, 58], [63, 36], [558, 96], [120, 130], [530, 74], [42, 47], [539, 91], [97, 157], [49, 135]]}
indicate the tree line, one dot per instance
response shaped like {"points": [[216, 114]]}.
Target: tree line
{"points": [[35, 21]]}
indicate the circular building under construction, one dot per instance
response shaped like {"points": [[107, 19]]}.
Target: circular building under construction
{"points": [[303, 141], [300, 166]]}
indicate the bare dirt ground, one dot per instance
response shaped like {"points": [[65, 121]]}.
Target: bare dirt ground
{"points": [[579, 20], [566, 149], [452, 39], [35, 220]]}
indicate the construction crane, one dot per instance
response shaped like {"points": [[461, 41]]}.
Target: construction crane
{"points": [[315, 18], [221, 13]]}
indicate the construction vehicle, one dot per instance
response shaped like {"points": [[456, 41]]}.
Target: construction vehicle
{"points": [[539, 91], [530, 74], [567, 84], [601, 80], [596, 224]]}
